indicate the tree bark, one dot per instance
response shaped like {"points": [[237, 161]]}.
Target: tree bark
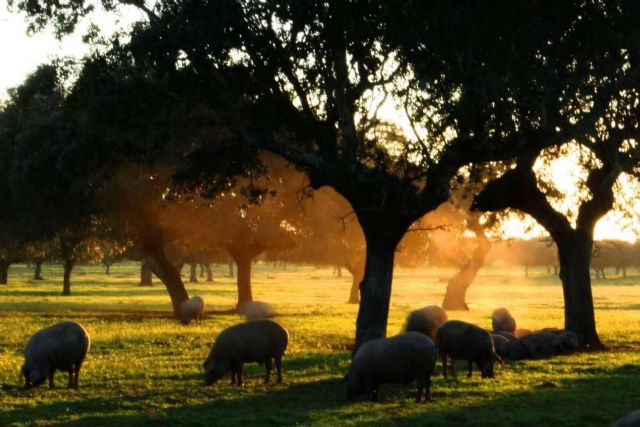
{"points": [[146, 274], [107, 269], [66, 280], [4, 272], [37, 274], [209, 272], [202, 270], [574, 252], [170, 277], [230, 274], [375, 290], [356, 268], [243, 282], [193, 273], [455, 297]]}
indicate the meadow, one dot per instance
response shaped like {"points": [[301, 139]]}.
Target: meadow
{"points": [[146, 369]]}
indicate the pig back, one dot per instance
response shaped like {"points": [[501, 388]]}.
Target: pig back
{"points": [[61, 345], [253, 341]]}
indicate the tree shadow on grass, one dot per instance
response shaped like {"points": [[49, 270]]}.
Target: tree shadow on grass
{"points": [[591, 399]]}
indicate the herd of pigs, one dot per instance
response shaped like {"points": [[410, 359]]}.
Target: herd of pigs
{"points": [[403, 358]]}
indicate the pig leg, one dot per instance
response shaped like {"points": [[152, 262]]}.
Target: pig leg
{"points": [[444, 365], [70, 384], [267, 366], [51, 385], [240, 373], [278, 360], [470, 369], [234, 373], [427, 392], [76, 371], [421, 385], [453, 368]]}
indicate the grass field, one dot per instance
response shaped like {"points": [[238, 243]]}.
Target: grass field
{"points": [[145, 369]]}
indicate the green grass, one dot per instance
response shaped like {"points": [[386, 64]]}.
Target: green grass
{"points": [[145, 369]]}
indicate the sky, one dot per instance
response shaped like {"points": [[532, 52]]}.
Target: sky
{"points": [[20, 54]]}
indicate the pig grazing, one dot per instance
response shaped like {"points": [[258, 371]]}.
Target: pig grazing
{"points": [[191, 309], [62, 346], [632, 419], [460, 340], [502, 321], [258, 341], [400, 359], [426, 320]]}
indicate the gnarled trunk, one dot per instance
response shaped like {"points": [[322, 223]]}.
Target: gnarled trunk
{"points": [[574, 252], [193, 273], [455, 297], [146, 274], [107, 269], [4, 271], [37, 274], [170, 277], [209, 272], [66, 281]]}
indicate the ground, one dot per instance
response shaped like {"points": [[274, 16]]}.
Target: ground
{"points": [[146, 369]]}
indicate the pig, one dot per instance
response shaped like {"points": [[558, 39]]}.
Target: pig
{"points": [[564, 341], [501, 344], [261, 341], [521, 333], [254, 310], [539, 344], [62, 346], [426, 320], [400, 359], [632, 419], [508, 335], [461, 340], [502, 321], [191, 309], [515, 350]]}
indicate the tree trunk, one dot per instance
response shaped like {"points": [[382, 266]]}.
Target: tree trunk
{"points": [[66, 281], [37, 274], [193, 273], [146, 274], [243, 282], [230, 274], [375, 291], [170, 277], [356, 269], [107, 269], [207, 266], [455, 298], [575, 256], [202, 269], [4, 272]]}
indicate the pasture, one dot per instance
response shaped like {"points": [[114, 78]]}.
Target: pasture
{"points": [[145, 369]]}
